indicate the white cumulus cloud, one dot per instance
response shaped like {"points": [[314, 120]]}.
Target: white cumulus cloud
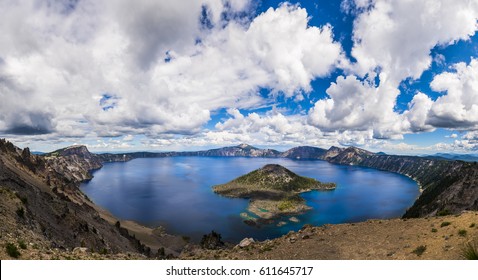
{"points": [[397, 36], [149, 67], [458, 108], [392, 42]]}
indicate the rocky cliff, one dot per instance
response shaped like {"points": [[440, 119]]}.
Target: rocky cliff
{"points": [[242, 150], [73, 163], [304, 152], [448, 186], [40, 203]]}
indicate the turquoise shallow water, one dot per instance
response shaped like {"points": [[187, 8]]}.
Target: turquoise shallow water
{"points": [[175, 192]]}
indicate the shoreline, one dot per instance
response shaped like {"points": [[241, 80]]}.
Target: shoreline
{"points": [[146, 233], [154, 238]]}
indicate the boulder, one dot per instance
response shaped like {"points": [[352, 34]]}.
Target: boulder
{"points": [[80, 250], [246, 242]]}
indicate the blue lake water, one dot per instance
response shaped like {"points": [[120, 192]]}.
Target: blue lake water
{"points": [[175, 192]]}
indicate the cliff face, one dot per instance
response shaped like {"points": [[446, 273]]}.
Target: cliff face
{"points": [[41, 203], [118, 157], [304, 152], [332, 152], [242, 150], [351, 155], [448, 186], [73, 163]]}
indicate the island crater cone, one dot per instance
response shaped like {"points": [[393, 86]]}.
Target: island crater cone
{"points": [[273, 191]]}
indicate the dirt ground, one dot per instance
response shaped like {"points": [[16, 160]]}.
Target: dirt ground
{"points": [[432, 238]]}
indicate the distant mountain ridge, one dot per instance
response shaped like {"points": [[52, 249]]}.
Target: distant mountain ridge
{"points": [[304, 152], [242, 150], [463, 157], [448, 186]]}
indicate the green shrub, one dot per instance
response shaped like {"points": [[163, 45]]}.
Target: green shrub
{"points": [[419, 250], [434, 230], [12, 250], [472, 225], [285, 204], [462, 232], [23, 199], [288, 203], [470, 251], [445, 224], [266, 248], [21, 212], [444, 212], [211, 241], [22, 244], [161, 253]]}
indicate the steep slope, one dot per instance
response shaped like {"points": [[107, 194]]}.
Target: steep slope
{"points": [[242, 150], [73, 163], [304, 152], [42, 207], [448, 186], [331, 152], [350, 155]]}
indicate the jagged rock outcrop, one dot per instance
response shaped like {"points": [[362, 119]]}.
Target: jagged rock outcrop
{"points": [[331, 153], [74, 163], [350, 155]]}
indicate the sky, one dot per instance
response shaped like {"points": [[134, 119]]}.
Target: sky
{"points": [[384, 75]]}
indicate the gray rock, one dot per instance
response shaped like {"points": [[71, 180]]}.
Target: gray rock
{"points": [[80, 250], [246, 242], [281, 223], [305, 236]]}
